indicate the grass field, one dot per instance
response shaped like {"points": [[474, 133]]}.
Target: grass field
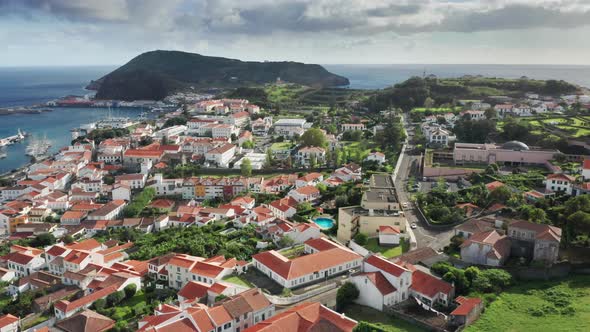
{"points": [[284, 93], [387, 252], [382, 320], [281, 146], [539, 306], [234, 279]]}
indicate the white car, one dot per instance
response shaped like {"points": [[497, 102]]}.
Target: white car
{"points": [[405, 205], [413, 225]]}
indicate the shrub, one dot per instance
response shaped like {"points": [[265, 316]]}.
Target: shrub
{"points": [[361, 239], [100, 304], [346, 295], [115, 298], [130, 290]]}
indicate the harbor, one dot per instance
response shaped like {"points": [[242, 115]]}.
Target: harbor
{"points": [[54, 127]]}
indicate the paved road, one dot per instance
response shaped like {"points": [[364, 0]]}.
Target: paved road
{"points": [[425, 236]]}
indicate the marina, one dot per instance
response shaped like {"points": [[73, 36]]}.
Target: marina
{"points": [[13, 139]]}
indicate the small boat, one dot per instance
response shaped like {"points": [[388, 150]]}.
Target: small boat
{"points": [[3, 153]]}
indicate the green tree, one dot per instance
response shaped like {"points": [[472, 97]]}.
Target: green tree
{"points": [[501, 194], [346, 295], [361, 239], [43, 240], [248, 145], [115, 298], [313, 137], [130, 290], [246, 167], [99, 304]]}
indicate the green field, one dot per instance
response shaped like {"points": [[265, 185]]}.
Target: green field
{"points": [[382, 320], [238, 280], [282, 94], [539, 306], [281, 146], [387, 252]]}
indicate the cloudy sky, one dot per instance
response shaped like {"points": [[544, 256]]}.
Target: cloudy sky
{"points": [[87, 32]]}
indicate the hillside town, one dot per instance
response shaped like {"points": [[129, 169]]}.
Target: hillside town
{"points": [[221, 215]]}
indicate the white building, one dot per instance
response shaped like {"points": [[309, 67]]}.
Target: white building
{"points": [[290, 127], [306, 154], [222, 155], [560, 182]]}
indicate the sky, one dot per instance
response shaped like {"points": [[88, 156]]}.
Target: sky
{"points": [[111, 32]]}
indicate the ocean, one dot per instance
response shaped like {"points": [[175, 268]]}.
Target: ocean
{"points": [[36, 85]]}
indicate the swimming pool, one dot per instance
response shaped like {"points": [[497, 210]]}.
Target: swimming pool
{"points": [[325, 223]]}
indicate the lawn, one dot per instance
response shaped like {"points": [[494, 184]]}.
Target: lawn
{"points": [[281, 146], [540, 306], [387, 252], [293, 252], [362, 148], [238, 280], [126, 309], [382, 320]]}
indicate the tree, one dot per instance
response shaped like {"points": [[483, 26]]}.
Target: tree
{"points": [[346, 295], [429, 102], [246, 167], [269, 159], [130, 290], [313, 137], [248, 145], [361, 239], [490, 113], [313, 161], [286, 241], [501, 194], [515, 129], [99, 304], [177, 121], [68, 239], [115, 298], [43, 240]]}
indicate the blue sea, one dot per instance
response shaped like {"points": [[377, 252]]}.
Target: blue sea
{"points": [[37, 85]]}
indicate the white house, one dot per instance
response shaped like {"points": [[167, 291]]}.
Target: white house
{"points": [[305, 194], [560, 182], [24, 260], [486, 248], [376, 156], [222, 155], [290, 127], [134, 181], [121, 192], [306, 154], [389, 235], [586, 169], [323, 259], [352, 126], [9, 323]]}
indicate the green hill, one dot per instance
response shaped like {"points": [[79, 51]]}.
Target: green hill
{"points": [[154, 75]]}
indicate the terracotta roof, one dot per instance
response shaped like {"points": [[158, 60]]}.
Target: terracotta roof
{"points": [[89, 245], [306, 317], [428, 285], [586, 164], [7, 320], [207, 270], [144, 153], [385, 265], [466, 305], [388, 230], [306, 264], [67, 306], [68, 215], [380, 282], [308, 190], [542, 231], [194, 290], [475, 226], [500, 243], [561, 176], [87, 321], [76, 256], [494, 185]]}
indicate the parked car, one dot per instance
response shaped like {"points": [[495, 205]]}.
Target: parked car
{"points": [[413, 225]]}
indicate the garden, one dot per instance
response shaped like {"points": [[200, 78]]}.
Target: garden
{"points": [[387, 251]]}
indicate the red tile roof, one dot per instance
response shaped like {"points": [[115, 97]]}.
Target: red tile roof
{"points": [[385, 265], [305, 317], [428, 285], [67, 306], [388, 230], [194, 290], [494, 185], [7, 320], [466, 305], [380, 282]]}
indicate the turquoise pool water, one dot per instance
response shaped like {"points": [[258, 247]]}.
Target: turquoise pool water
{"points": [[324, 222]]}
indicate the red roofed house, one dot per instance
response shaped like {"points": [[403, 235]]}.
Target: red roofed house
{"points": [[306, 154], [323, 259], [311, 179], [246, 202], [133, 158], [73, 217], [376, 156], [382, 283], [109, 211], [486, 248], [284, 208], [467, 312], [222, 155], [545, 240], [560, 182], [389, 235], [24, 260], [305, 194], [9, 323], [431, 290], [311, 316], [64, 309]]}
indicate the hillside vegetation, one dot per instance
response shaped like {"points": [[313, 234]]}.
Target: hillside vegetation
{"points": [[154, 75]]}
